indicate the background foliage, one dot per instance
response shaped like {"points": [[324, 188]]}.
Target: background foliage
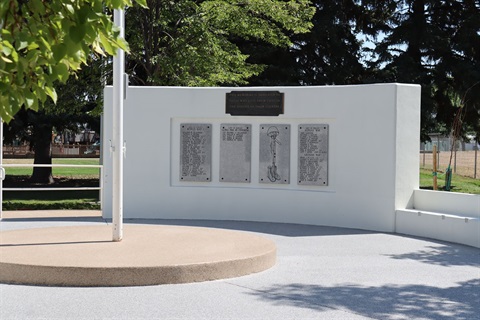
{"points": [[193, 43], [42, 42]]}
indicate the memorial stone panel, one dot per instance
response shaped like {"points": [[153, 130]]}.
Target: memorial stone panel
{"points": [[235, 152], [274, 164], [313, 154], [195, 152]]}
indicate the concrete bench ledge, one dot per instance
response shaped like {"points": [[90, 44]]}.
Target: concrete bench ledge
{"points": [[453, 203], [438, 225]]}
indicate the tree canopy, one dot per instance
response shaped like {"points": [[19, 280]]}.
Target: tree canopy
{"points": [[42, 42], [432, 43], [193, 43], [79, 104], [435, 44]]}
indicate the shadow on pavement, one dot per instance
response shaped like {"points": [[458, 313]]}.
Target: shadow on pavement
{"points": [[450, 254], [282, 229], [384, 302]]}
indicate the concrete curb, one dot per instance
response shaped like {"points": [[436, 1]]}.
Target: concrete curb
{"points": [[148, 255]]}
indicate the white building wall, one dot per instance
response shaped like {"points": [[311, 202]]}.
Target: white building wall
{"points": [[373, 156]]}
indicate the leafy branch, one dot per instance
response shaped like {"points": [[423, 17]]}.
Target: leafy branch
{"points": [[44, 42]]}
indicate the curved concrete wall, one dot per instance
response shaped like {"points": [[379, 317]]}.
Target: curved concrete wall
{"points": [[373, 156]]}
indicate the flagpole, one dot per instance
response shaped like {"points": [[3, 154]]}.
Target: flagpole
{"points": [[117, 143], [2, 170]]}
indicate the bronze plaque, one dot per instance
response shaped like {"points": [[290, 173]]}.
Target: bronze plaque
{"points": [[254, 103]]}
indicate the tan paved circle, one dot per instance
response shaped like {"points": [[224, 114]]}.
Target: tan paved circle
{"points": [[148, 255]]}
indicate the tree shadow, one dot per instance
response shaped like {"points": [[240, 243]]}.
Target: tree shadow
{"points": [[274, 228], [384, 302], [283, 229], [23, 181], [445, 255]]}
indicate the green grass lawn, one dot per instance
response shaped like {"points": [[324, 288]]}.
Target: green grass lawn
{"points": [[64, 177], [459, 183], [63, 172]]}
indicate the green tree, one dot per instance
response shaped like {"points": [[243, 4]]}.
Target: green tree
{"points": [[78, 104], [331, 53], [193, 43], [42, 42], [459, 65], [435, 44]]}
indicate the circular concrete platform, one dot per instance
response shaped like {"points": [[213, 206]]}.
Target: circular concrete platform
{"points": [[148, 255]]}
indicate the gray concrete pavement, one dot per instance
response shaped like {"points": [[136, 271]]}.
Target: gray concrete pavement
{"points": [[321, 273]]}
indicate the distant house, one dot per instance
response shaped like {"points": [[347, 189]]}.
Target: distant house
{"points": [[82, 137]]}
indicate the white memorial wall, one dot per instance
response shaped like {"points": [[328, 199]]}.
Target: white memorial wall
{"points": [[342, 156]]}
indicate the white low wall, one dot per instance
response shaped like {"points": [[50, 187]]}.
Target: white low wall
{"points": [[372, 156], [460, 204], [453, 217]]}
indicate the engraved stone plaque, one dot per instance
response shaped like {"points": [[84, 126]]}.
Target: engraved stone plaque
{"points": [[235, 152], [195, 152], [313, 154], [274, 153]]}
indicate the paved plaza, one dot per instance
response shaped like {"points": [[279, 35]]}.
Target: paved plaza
{"points": [[321, 273]]}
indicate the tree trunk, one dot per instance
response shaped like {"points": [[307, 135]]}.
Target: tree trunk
{"points": [[42, 139]]}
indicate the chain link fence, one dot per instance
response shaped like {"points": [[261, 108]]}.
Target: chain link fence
{"points": [[464, 163]]}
